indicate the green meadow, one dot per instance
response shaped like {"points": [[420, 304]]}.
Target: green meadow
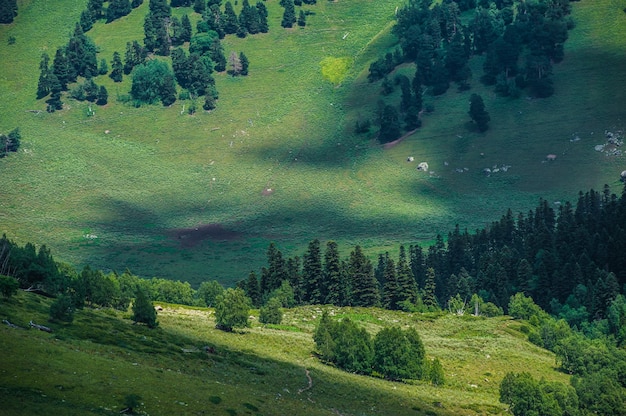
{"points": [[91, 366], [199, 197]]}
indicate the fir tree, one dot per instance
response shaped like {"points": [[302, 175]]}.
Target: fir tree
{"points": [[364, 287], [252, 289], [477, 112], [407, 287], [243, 60], [143, 310], [312, 274], [231, 23], [301, 18], [103, 96], [390, 288], [117, 68], [289, 16], [334, 285], [429, 298], [263, 25], [43, 86]]}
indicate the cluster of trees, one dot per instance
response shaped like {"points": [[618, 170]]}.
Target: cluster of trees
{"points": [[76, 59], [10, 142], [251, 19], [8, 11], [393, 353], [520, 40], [95, 11], [289, 15], [598, 366]]}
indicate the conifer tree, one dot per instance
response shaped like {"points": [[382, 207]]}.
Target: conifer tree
{"points": [[252, 289], [61, 69], [43, 86], [407, 287], [390, 288], [334, 285], [429, 298], [243, 60], [477, 112], [143, 310], [117, 68], [8, 10], [231, 22], [186, 30], [103, 96], [364, 288], [276, 270], [301, 18], [294, 277], [312, 274], [289, 16], [262, 11]]}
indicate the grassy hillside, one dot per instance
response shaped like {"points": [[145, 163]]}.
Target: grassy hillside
{"points": [[200, 197], [89, 367]]}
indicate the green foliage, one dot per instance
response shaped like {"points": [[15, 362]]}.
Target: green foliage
{"points": [[152, 81], [271, 313], [143, 310], [526, 396], [208, 293], [477, 112], [8, 286], [62, 309], [232, 310], [10, 142], [435, 373], [399, 354], [523, 307], [8, 10], [132, 403]]}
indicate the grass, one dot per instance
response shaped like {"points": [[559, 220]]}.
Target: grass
{"points": [[288, 126], [90, 366]]}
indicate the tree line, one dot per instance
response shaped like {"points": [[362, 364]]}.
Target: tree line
{"points": [[519, 40]]}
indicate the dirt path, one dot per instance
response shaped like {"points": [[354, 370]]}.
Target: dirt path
{"points": [[308, 376], [395, 142]]}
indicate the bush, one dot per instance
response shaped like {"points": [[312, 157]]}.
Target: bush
{"points": [[271, 312], [62, 309], [8, 286], [399, 354], [232, 310]]}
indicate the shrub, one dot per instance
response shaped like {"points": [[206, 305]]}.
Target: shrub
{"points": [[62, 309], [232, 310], [271, 312], [143, 310], [8, 286]]}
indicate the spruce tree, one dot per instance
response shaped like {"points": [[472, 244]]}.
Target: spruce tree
{"points": [[43, 86], [8, 11], [312, 274], [103, 96], [429, 298], [407, 287], [390, 288], [334, 285], [477, 112], [364, 287], [231, 22], [186, 30], [143, 310], [301, 18], [263, 25], [243, 60], [117, 68], [252, 289], [289, 16], [61, 70]]}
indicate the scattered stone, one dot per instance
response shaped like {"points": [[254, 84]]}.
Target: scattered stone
{"points": [[410, 159], [623, 176], [551, 157], [423, 166]]}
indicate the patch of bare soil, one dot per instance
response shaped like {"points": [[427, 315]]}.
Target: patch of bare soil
{"points": [[191, 237]]}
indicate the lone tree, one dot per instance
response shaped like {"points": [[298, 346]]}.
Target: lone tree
{"points": [[143, 310], [232, 310], [477, 112]]}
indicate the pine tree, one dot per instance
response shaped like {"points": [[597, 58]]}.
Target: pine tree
{"points": [[199, 6], [117, 68], [301, 18], [276, 271], [103, 96], [186, 30], [43, 86], [231, 23], [429, 298], [61, 70], [243, 60], [312, 274], [334, 285], [364, 287], [263, 25], [143, 310], [407, 287], [289, 16], [391, 288], [252, 289], [478, 113]]}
